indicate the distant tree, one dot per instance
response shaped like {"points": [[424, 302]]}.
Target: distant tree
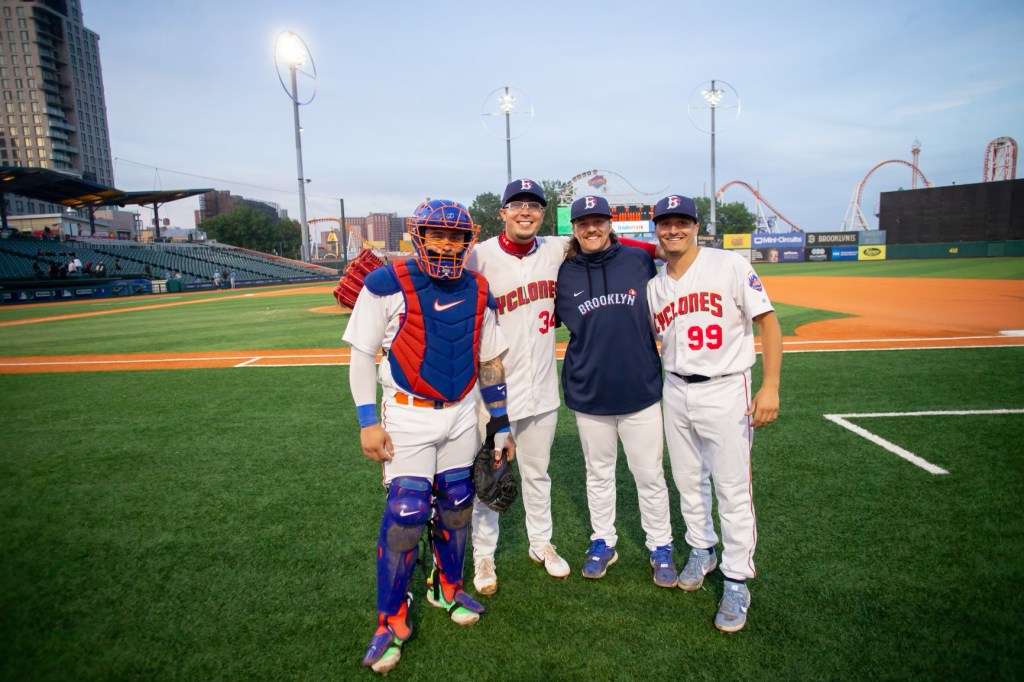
{"points": [[731, 218], [484, 211], [248, 228], [287, 239], [552, 189]]}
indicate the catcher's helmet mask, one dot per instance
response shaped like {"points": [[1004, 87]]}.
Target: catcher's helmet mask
{"points": [[442, 214]]}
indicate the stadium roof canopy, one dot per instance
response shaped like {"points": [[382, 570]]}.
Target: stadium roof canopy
{"points": [[74, 192]]}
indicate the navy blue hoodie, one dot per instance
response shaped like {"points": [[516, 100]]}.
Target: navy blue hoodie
{"points": [[611, 365]]}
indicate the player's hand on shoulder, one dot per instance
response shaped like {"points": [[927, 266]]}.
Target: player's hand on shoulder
{"points": [[376, 443], [765, 406]]}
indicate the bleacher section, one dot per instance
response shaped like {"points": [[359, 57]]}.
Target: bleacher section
{"points": [[195, 262]]}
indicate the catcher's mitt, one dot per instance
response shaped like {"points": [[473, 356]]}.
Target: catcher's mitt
{"points": [[495, 485], [351, 283]]}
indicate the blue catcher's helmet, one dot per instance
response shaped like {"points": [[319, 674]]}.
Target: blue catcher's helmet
{"points": [[442, 258]]}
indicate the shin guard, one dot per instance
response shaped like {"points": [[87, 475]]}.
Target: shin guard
{"points": [[405, 516], [453, 499]]}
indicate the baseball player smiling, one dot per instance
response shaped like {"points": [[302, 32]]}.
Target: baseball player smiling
{"points": [[521, 268], [439, 333], [704, 305]]}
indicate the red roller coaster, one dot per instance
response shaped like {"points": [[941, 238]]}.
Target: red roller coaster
{"points": [[758, 200], [854, 218]]}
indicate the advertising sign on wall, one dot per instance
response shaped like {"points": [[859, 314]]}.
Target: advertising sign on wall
{"points": [[736, 241], [872, 237], [791, 239], [819, 254], [830, 238], [871, 252]]}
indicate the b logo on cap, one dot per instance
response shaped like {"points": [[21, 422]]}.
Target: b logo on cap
{"points": [[673, 202], [590, 202], [527, 184]]}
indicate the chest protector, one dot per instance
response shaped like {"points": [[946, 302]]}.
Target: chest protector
{"points": [[434, 354]]}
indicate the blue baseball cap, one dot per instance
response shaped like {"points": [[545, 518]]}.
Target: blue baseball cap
{"points": [[675, 204], [524, 186], [590, 205]]}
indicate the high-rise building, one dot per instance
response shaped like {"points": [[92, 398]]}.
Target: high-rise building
{"points": [[53, 114], [219, 202]]}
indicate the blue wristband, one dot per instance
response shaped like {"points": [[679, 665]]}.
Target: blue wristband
{"points": [[494, 394], [367, 415]]}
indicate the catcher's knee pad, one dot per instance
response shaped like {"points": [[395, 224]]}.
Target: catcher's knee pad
{"points": [[453, 497], [405, 516]]}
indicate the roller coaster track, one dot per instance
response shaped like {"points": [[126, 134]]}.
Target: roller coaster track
{"points": [[757, 197], [853, 212], [351, 230]]}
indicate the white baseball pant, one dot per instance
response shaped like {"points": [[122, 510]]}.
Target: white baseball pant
{"points": [[641, 435], [709, 439], [428, 441], [534, 436]]}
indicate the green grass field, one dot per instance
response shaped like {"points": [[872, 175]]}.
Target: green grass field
{"points": [[220, 524]]}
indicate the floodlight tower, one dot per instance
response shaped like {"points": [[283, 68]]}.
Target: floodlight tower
{"points": [[291, 52]]}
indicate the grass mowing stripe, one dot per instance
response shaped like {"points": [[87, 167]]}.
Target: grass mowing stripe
{"points": [[213, 524]]}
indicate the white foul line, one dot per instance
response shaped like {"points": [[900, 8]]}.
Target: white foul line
{"points": [[892, 447]]}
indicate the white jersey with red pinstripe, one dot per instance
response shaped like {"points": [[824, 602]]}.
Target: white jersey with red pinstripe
{"points": [[525, 291], [704, 322]]}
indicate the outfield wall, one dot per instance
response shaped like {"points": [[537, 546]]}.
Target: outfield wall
{"points": [[862, 245]]}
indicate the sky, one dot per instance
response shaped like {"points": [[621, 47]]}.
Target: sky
{"points": [[825, 92]]}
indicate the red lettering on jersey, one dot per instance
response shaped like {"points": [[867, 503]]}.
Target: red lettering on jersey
{"points": [[523, 295], [716, 304]]}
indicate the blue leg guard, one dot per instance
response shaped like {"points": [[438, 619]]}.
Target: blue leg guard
{"points": [[405, 516], [453, 493]]}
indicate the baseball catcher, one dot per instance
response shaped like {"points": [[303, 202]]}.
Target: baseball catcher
{"points": [[436, 324]]}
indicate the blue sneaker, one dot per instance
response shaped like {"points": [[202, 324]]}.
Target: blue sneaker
{"points": [[700, 563], [599, 557], [663, 567], [732, 611]]}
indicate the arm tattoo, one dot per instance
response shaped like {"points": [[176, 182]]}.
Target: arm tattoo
{"points": [[491, 372]]}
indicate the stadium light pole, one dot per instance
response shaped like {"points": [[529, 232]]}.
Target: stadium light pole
{"points": [[292, 52], [507, 102], [712, 96], [511, 102]]}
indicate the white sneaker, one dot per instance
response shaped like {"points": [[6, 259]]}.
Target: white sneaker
{"points": [[556, 566], [485, 579]]}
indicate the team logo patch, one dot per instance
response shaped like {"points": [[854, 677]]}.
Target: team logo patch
{"points": [[754, 282]]}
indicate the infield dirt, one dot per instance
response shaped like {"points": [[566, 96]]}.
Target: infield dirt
{"points": [[886, 313]]}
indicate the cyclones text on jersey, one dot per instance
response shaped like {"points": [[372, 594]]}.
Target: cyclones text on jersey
{"points": [[522, 295], [698, 301]]}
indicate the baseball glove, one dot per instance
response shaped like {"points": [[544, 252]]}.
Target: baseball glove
{"points": [[495, 485], [351, 283]]}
